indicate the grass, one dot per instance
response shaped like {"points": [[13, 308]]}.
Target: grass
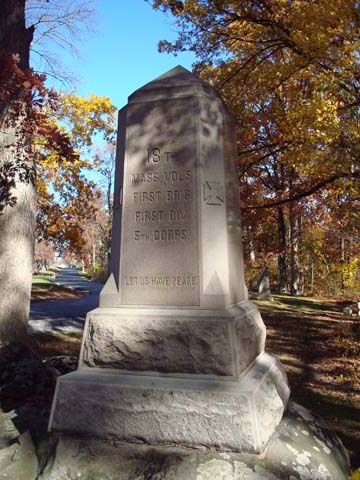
{"points": [[44, 288], [320, 350], [42, 280]]}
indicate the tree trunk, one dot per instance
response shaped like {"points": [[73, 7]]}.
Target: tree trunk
{"points": [[342, 261], [312, 278], [17, 225], [109, 225], [17, 219], [294, 224], [282, 269]]}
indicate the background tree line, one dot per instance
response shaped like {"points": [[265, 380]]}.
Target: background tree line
{"points": [[289, 73]]}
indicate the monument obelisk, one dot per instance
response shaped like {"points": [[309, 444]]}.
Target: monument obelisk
{"points": [[175, 355]]}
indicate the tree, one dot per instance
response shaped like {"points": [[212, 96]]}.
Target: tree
{"points": [[65, 194], [106, 159], [95, 236], [57, 23], [17, 172], [44, 255], [289, 73], [23, 98]]}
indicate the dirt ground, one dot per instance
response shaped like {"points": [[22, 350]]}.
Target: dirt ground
{"points": [[320, 350], [54, 292]]}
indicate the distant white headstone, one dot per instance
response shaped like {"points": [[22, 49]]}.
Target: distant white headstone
{"points": [[264, 286]]}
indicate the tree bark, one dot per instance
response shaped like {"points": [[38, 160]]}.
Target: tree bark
{"points": [[282, 267], [109, 225], [17, 221], [312, 277], [294, 224]]}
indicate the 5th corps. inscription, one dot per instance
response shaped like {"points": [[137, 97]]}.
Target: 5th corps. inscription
{"points": [[160, 241]]}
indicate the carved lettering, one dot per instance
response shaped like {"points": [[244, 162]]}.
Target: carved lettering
{"points": [[162, 281], [170, 156], [178, 196], [153, 155], [147, 177], [147, 197], [176, 176], [147, 216], [171, 235], [177, 215], [162, 235]]}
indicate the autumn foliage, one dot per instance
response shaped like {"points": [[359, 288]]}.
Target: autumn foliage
{"points": [[67, 198], [289, 73], [23, 95], [59, 127]]}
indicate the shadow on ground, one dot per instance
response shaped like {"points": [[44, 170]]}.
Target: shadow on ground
{"points": [[320, 350]]}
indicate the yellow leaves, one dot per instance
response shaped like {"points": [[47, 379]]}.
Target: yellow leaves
{"points": [[356, 475], [64, 192], [87, 117], [349, 271]]}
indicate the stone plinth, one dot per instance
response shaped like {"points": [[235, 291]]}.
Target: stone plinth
{"points": [[224, 414], [303, 448], [205, 342], [175, 353]]}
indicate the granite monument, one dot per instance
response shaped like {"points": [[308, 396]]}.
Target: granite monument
{"points": [[174, 355]]}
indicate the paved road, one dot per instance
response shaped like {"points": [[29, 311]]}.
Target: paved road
{"points": [[66, 315]]}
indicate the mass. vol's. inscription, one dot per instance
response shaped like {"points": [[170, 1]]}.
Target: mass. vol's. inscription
{"points": [[160, 242], [155, 177]]}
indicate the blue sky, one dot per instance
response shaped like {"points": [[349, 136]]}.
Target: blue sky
{"points": [[122, 55]]}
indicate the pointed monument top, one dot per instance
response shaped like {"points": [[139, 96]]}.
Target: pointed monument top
{"points": [[180, 80], [179, 73]]}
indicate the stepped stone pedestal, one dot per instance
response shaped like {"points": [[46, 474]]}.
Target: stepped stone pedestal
{"points": [[175, 355]]}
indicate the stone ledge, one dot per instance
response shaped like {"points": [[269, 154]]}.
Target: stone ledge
{"points": [[218, 414], [174, 341], [303, 447]]}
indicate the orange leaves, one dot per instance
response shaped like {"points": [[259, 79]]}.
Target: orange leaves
{"points": [[15, 82]]}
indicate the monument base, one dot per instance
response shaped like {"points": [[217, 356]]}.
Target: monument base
{"points": [[234, 415], [303, 447], [174, 341]]}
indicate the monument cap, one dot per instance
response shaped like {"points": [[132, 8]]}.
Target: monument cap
{"points": [[177, 82]]}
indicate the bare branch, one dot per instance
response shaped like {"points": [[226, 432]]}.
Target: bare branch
{"points": [[58, 24], [298, 196]]}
